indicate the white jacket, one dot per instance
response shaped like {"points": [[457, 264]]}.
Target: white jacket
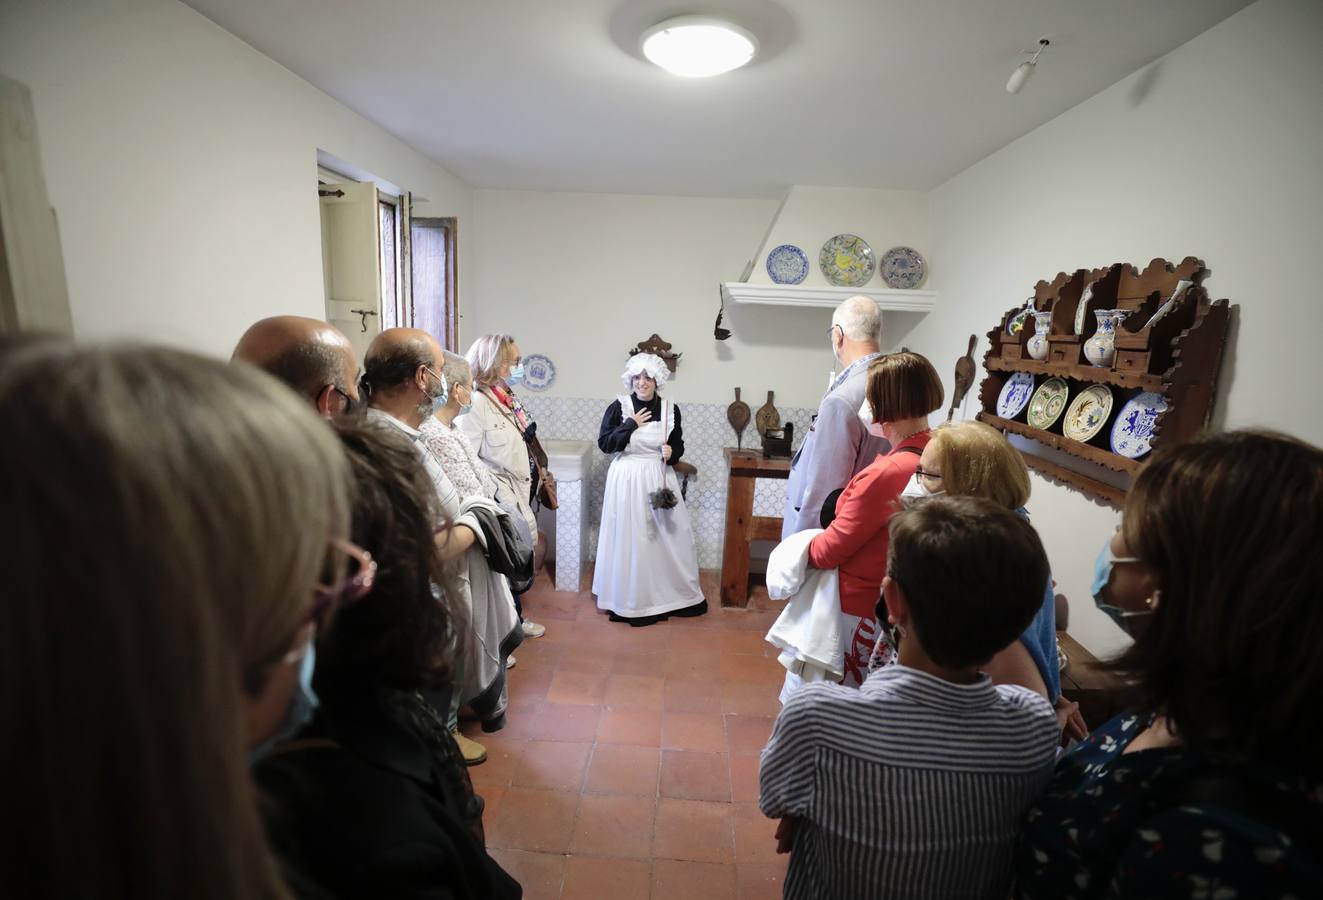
{"points": [[498, 444], [809, 630]]}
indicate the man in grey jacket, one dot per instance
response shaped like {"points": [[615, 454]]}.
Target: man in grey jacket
{"points": [[838, 444]]}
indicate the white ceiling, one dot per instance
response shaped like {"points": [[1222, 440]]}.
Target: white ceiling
{"points": [[554, 94]]}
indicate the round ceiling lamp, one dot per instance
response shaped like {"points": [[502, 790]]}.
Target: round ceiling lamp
{"points": [[698, 46]]}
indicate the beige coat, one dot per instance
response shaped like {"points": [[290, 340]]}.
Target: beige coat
{"points": [[496, 440]]}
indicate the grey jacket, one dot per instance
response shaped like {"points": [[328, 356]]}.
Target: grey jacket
{"points": [[835, 449]]}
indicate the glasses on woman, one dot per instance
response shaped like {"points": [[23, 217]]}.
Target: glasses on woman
{"points": [[360, 573], [919, 470]]}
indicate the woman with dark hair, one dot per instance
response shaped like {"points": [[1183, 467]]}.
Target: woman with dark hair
{"points": [[372, 799], [172, 526], [1213, 786]]}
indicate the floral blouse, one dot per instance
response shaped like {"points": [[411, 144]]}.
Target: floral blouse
{"points": [[450, 448], [1114, 825]]}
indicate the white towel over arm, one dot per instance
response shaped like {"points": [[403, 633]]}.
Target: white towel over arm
{"points": [[808, 631]]}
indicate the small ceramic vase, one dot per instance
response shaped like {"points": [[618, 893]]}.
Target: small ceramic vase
{"points": [[1101, 348], [1037, 344]]}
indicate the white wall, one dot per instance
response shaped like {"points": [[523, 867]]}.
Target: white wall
{"points": [[182, 163], [1211, 151]]}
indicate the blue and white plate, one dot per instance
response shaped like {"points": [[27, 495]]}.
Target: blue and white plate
{"points": [[787, 264], [539, 373], [903, 268], [1015, 395], [1132, 435]]}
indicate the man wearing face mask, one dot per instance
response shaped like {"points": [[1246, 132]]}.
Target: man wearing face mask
{"points": [[839, 444]]}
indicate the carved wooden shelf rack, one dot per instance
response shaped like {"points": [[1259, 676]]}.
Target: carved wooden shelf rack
{"points": [[1178, 357]]}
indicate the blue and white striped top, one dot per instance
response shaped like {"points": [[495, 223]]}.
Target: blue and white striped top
{"points": [[909, 786]]}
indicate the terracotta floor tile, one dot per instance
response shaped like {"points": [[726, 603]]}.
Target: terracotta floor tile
{"points": [[688, 665], [623, 770], [614, 825], [741, 667], [540, 874], [680, 880], [692, 696], [696, 640], [542, 654], [748, 734], [491, 802], [587, 878], [639, 662], [691, 829], [693, 731], [755, 835], [577, 660], [745, 642], [751, 698], [555, 765], [687, 775], [587, 688], [502, 761], [520, 717], [528, 683], [635, 692], [551, 605], [567, 722], [653, 637], [640, 727], [532, 819], [761, 881], [744, 778]]}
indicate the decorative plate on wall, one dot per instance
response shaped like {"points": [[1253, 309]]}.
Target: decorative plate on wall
{"points": [[539, 373], [1132, 434], [847, 260], [787, 264], [1048, 402], [903, 268], [1014, 396], [1017, 322], [1088, 413]]}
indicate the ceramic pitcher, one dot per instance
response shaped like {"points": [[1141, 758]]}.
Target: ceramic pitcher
{"points": [[1101, 348], [1037, 344]]}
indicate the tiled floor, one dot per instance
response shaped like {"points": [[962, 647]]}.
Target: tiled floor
{"points": [[629, 767]]}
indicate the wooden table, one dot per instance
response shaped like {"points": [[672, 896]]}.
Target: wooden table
{"points": [[1100, 694], [742, 526]]}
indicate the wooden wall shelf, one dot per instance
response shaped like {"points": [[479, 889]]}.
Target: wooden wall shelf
{"points": [[1178, 357]]}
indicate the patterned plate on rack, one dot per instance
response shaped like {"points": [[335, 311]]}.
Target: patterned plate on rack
{"points": [[1132, 433], [1014, 396], [787, 264], [847, 260], [539, 373], [1088, 413], [903, 267], [1016, 323], [1048, 402]]}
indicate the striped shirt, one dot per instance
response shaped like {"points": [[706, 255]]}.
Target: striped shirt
{"points": [[908, 786]]}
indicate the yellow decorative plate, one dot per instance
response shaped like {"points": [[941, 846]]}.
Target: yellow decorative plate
{"points": [[1088, 413], [847, 260]]}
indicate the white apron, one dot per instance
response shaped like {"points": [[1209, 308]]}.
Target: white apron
{"points": [[646, 562]]}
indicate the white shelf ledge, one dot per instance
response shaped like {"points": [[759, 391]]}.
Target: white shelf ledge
{"points": [[888, 299]]}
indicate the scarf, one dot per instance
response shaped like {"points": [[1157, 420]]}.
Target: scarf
{"points": [[507, 399]]}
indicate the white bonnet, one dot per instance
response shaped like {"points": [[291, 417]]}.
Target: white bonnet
{"points": [[650, 363]]}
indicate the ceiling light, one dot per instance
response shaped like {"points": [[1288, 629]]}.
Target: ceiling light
{"points": [[698, 46], [1025, 69]]}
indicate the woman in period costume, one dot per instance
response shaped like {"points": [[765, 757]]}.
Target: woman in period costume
{"points": [[647, 569]]}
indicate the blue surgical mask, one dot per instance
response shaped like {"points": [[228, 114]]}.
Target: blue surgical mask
{"points": [[438, 399], [299, 711], [516, 374], [1102, 576], [465, 409]]}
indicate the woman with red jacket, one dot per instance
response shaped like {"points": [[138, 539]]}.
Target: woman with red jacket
{"points": [[903, 389]]}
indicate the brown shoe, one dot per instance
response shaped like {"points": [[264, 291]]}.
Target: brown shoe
{"points": [[472, 751]]}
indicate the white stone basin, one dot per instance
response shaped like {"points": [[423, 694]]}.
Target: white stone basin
{"points": [[568, 460]]}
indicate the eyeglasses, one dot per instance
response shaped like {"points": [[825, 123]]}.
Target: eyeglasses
{"points": [[918, 470], [833, 328], [350, 403], [355, 585]]}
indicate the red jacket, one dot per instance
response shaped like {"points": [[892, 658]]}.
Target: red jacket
{"points": [[856, 542]]}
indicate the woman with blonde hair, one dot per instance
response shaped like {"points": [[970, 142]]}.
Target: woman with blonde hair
{"points": [[176, 529]]}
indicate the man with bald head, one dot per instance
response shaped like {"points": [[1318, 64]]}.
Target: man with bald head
{"points": [[839, 442], [310, 356]]}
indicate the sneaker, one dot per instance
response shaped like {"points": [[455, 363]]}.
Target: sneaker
{"points": [[532, 629], [510, 661], [472, 751]]}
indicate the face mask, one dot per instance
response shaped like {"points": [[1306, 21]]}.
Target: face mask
{"points": [[866, 416], [1102, 576], [516, 374], [916, 490], [438, 399], [301, 705], [466, 408]]}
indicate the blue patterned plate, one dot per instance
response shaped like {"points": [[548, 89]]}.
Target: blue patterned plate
{"points": [[787, 264], [1132, 435], [539, 373], [903, 268], [1014, 396], [847, 261]]}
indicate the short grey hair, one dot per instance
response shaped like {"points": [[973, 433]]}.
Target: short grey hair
{"points": [[454, 368], [859, 318], [485, 356]]}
